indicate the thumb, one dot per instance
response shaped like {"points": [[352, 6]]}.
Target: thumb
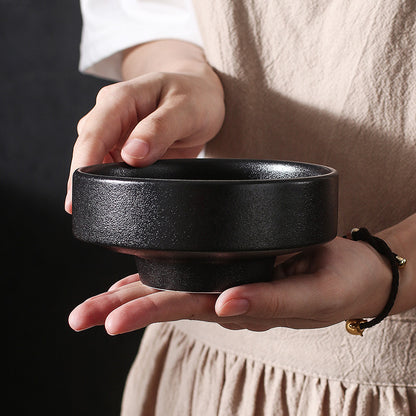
{"points": [[157, 133], [298, 296]]}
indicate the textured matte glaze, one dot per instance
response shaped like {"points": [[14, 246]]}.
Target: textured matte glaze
{"points": [[191, 219]]}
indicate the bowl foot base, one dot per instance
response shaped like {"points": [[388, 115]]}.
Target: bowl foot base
{"points": [[203, 275]]}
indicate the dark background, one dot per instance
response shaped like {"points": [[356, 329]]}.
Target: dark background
{"points": [[45, 271]]}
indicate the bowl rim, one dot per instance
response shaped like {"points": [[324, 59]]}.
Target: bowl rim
{"points": [[86, 171]]}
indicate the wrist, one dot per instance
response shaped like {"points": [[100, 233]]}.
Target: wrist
{"points": [[401, 238], [169, 56], [164, 56]]}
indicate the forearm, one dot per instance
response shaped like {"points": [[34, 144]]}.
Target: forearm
{"points": [[165, 56], [402, 240]]}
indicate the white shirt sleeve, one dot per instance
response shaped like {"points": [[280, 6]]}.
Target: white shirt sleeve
{"points": [[111, 26]]}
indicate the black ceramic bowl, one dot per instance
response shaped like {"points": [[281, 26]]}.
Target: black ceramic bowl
{"points": [[204, 225]]}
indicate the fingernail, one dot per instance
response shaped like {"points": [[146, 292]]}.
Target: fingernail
{"points": [[136, 148], [234, 307]]}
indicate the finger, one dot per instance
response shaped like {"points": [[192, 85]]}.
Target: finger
{"points": [[95, 310], [106, 127], [160, 307], [303, 296], [68, 196], [118, 109], [172, 122], [127, 280]]}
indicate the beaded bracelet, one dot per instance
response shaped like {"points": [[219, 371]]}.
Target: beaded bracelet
{"points": [[357, 326]]}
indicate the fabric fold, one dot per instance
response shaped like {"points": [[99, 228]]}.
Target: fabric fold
{"points": [[188, 377]]}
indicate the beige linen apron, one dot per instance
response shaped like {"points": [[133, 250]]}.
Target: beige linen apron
{"points": [[325, 81]]}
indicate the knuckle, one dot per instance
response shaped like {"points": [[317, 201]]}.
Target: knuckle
{"points": [[84, 142], [79, 143], [157, 125], [274, 306], [271, 304], [151, 305], [113, 93], [105, 93], [265, 300], [80, 124], [158, 76]]}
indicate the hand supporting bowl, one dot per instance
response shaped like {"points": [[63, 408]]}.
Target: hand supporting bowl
{"points": [[204, 225]]}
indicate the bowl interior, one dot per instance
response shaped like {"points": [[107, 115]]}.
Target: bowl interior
{"points": [[213, 169]]}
